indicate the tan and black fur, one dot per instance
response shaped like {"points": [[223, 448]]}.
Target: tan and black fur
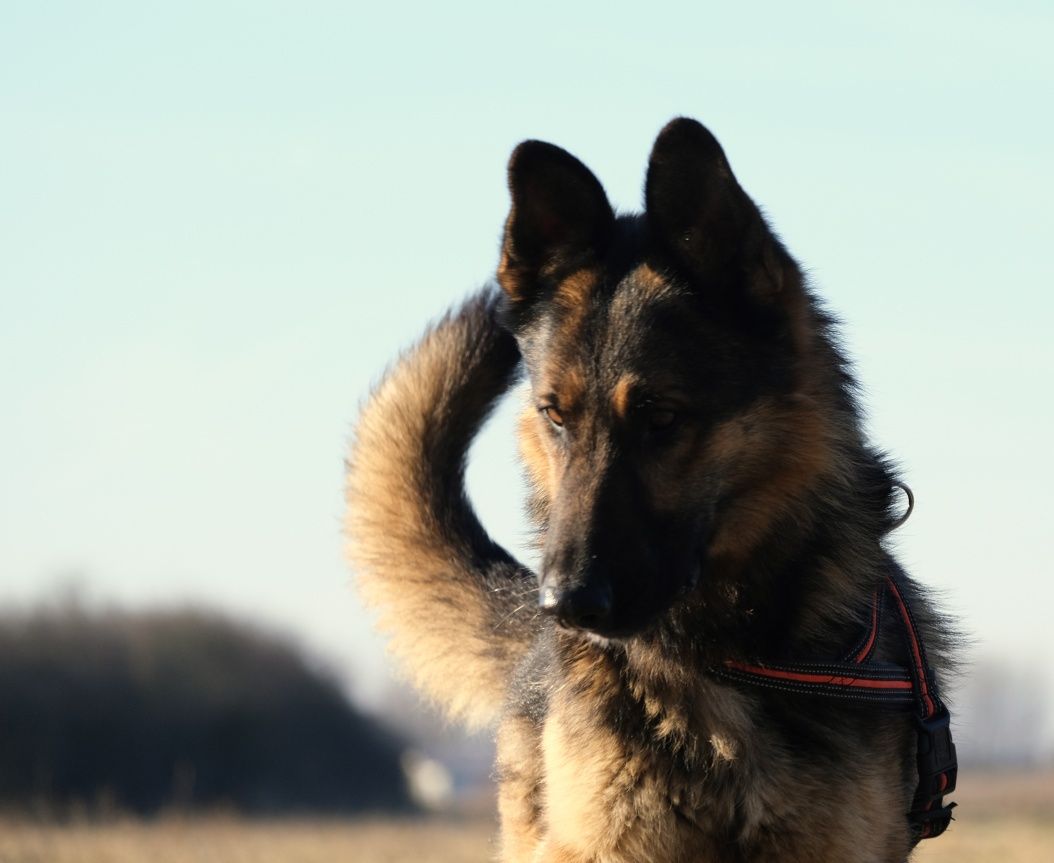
{"points": [[702, 491]]}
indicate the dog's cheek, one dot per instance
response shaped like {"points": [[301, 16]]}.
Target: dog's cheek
{"points": [[539, 456], [772, 457]]}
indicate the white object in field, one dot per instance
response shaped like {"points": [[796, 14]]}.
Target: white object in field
{"points": [[430, 783]]}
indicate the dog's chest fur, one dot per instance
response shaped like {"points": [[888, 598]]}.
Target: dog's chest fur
{"points": [[601, 763]]}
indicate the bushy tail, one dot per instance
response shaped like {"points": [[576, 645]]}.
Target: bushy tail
{"points": [[459, 609]]}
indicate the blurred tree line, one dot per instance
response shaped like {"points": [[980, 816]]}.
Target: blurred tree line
{"points": [[187, 709]]}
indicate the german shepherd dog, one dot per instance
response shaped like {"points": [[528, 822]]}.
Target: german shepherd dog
{"points": [[702, 493]]}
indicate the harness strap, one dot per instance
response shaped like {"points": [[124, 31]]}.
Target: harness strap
{"points": [[936, 759], [858, 678], [863, 650]]}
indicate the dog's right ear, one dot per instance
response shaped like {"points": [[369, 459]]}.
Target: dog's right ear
{"points": [[560, 218]]}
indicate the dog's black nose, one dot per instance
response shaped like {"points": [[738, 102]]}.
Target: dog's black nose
{"points": [[588, 606]]}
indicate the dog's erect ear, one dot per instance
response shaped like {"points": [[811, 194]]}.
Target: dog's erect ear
{"points": [[699, 213], [560, 217]]}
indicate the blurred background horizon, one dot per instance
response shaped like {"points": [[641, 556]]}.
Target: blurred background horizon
{"points": [[221, 221]]}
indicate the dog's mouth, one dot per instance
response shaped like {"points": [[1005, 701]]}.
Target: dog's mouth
{"points": [[602, 641]]}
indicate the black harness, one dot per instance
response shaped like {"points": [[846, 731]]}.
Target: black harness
{"points": [[857, 678]]}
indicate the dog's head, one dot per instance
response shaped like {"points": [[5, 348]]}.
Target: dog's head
{"points": [[671, 422]]}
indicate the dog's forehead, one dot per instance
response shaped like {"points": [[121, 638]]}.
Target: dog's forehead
{"points": [[598, 331], [605, 313]]}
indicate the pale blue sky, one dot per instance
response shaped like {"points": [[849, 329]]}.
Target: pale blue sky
{"points": [[220, 220]]}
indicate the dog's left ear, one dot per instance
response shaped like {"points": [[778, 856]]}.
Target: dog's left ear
{"points": [[698, 212], [560, 218]]}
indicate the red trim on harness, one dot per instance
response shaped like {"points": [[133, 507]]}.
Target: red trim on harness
{"points": [[929, 708], [818, 678], [865, 651]]}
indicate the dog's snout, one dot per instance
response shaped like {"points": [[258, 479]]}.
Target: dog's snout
{"points": [[588, 606]]}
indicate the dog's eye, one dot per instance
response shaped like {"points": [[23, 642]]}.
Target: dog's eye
{"points": [[661, 418], [553, 415]]}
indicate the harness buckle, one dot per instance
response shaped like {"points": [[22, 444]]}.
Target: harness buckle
{"points": [[938, 767]]}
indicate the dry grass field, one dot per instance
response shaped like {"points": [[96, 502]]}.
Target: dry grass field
{"points": [[1003, 819]]}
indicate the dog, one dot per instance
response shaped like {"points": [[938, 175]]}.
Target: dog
{"points": [[712, 660]]}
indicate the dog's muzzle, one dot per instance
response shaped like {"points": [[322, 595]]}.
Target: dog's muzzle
{"points": [[588, 606]]}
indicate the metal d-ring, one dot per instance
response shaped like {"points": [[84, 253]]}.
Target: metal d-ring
{"points": [[903, 486]]}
